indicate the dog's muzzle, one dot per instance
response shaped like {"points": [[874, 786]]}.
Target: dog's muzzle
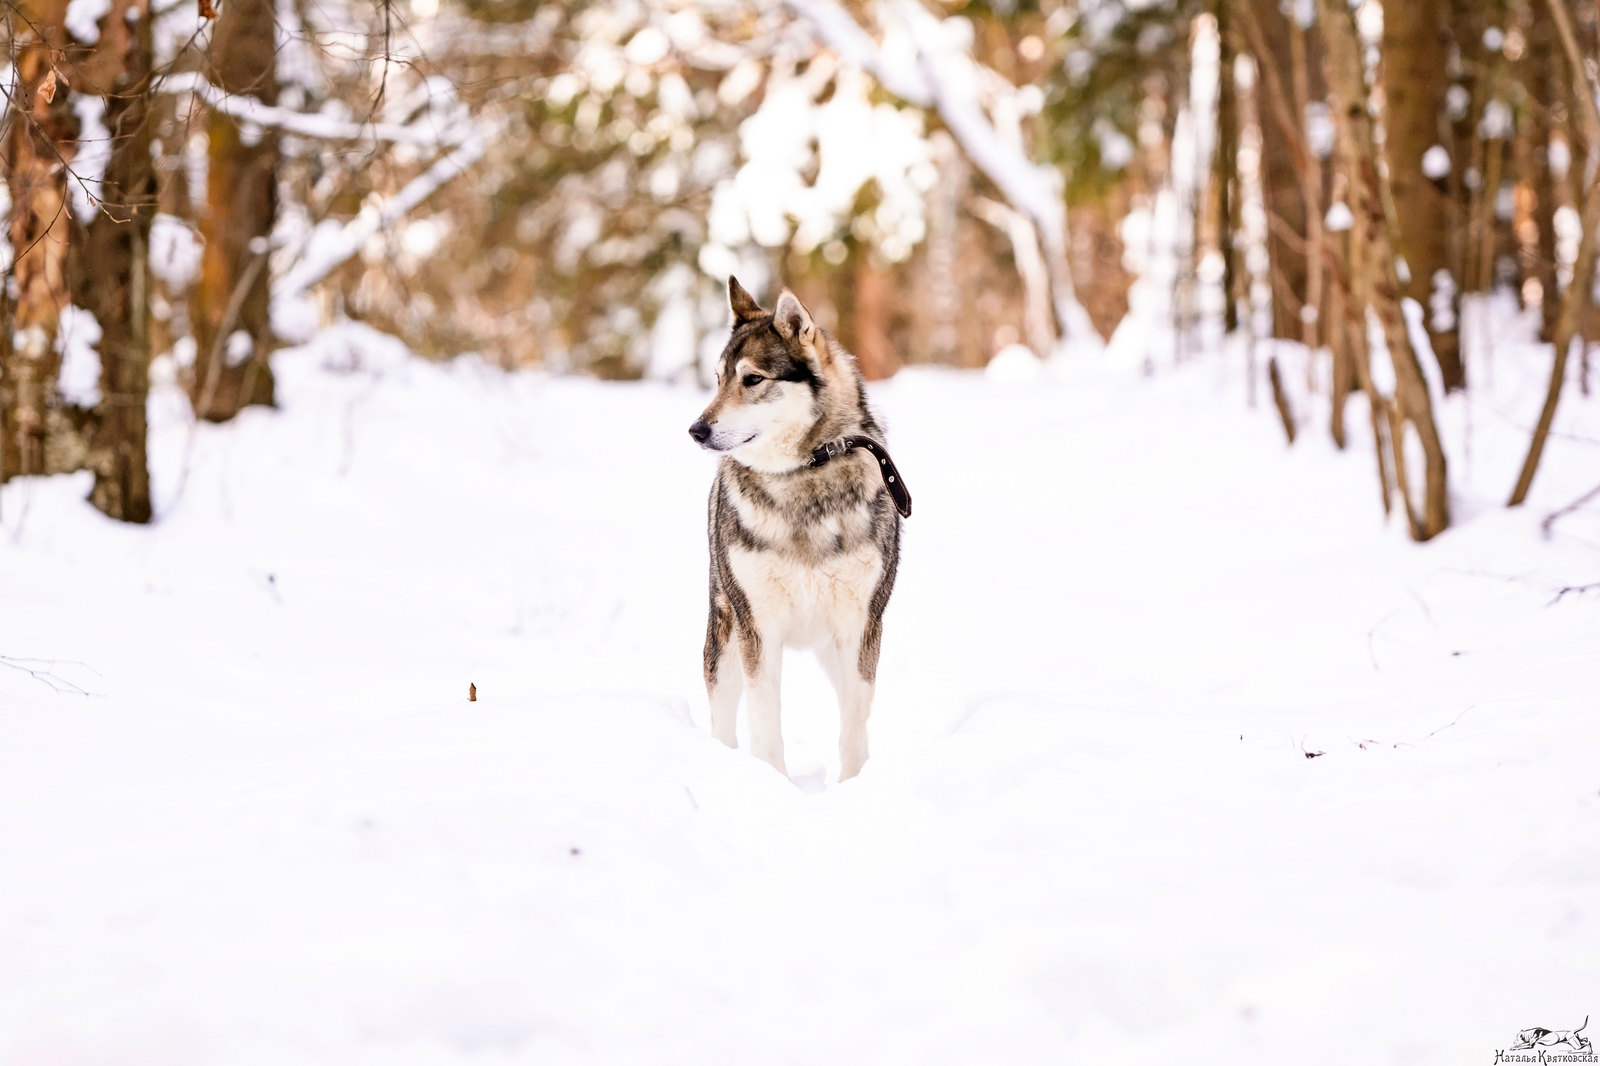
{"points": [[700, 430]]}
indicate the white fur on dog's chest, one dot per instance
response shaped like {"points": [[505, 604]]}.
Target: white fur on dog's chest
{"points": [[802, 604]]}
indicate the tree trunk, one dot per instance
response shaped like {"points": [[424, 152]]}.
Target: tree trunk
{"points": [[109, 270], [232, 329], [1284, 168], [1416, 80], [40, 435], [1566, 330], [1544, 75], [1310, 193], [869, 327], [80, 244], [1097, 258], [1578, 292], [1374, 281], [1224, 165], [1341, 337]]}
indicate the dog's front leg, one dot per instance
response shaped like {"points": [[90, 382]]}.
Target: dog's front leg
{"points": [[724, 684], [724, 677], [855, 704], [841, 658], [763, 679]]}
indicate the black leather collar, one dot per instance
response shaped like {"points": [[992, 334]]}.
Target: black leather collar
{"points": [[891, 476]]}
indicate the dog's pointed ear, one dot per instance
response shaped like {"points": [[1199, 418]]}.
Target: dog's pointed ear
{"points": [[793, 321], [742, 304]]}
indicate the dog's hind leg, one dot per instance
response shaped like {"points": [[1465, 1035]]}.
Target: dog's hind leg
{"points": [[724, 678]]}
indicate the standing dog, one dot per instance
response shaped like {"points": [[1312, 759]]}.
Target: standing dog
{"points": [[802, 555]]}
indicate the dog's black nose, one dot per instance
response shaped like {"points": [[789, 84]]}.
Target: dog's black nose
{"points": [[700, 431]]}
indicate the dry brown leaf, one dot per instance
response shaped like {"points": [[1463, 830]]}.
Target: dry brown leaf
{"points": [[472, 692]]}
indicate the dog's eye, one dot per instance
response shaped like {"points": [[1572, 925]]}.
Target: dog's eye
{"points": [[752, 380]]}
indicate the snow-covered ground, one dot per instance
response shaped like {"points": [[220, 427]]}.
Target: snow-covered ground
{"points": [[276, 831]]}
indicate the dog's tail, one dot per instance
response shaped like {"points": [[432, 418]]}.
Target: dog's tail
{"points": [[1584, 1026]]}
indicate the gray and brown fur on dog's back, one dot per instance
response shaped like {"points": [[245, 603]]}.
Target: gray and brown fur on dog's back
{"points": [[818, 543]]}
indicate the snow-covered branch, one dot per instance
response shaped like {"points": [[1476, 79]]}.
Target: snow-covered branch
{"points": [[933, 73], [332, 245], [300, 123], [853, 44]]}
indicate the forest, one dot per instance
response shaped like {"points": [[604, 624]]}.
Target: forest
{"points": [[565, 186], [1235, 693]]}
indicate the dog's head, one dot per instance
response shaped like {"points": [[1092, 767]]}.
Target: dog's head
{"points": [[1528, 1038], [770, 384]]}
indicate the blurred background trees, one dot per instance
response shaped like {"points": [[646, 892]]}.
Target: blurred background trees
{"points": [[1337, 197]]}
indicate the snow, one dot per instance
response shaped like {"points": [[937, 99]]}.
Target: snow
{"points": [[1014, 363], [175, 251], [1560, 158], [83, 19], [1320, 131], [1505, 202], [648, 47], [1339, 217], [1436, 163], [1379, 358], [1091, 829], [86, 178], [78, 381], [1441, 302], [237, 349], [1497, 123], [844, 144], [1417, 331], [1115, 147]]}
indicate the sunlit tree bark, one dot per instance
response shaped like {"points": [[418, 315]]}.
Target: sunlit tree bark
{"points": [[1416, 79], [1375, 283], [232, 327], [109, 263], [81, 239], [39, 435]]}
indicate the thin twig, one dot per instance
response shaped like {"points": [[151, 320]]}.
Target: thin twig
{"points": [[1577, 590], [43, 671], [1550, 519]]}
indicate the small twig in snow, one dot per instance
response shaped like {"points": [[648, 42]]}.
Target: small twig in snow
{"points": [[1578, 590], [1561, 512], [1450, 723], [43, 671], [1372, 652]]}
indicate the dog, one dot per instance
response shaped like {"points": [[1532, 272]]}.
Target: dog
{"points": [[802, 555], [1532, 1038]]}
